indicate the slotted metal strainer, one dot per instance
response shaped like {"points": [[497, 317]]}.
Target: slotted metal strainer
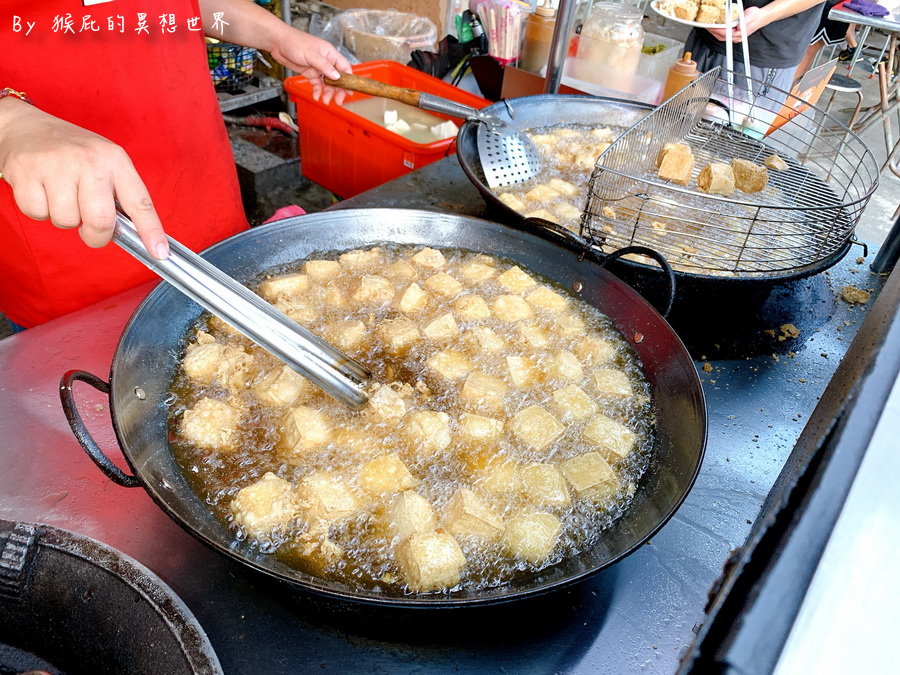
{"points": [[507, 156]]}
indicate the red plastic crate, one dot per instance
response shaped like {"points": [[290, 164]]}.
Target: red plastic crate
{"points": [[348, 154]]}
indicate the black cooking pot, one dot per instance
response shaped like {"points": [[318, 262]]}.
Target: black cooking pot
{"points": [[151, 346], [531, 112]]}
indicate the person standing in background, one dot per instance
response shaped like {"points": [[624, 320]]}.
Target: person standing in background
{"points": [[779, 31], [114, 101]]}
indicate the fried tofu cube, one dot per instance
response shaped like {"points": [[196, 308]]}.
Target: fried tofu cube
{"points": [[202, 360], [534, 335], [387, 403], [430, 561], [345, 334], [612, 438], [547, 299], [484, 390], [468, 515], [573, 403], [515, 280], [429, 258], [536, 427], [716, 178], [542, 193], [564, 365], [479, 429], [612, 383], [488, 339], [212, 362], [362, 260], [410, 514], [288, 285], [282, 387], [374, 290], [563, 186], [512, 201], [442, 328], [414, 299], [587, 471], [450, 364], [211, 424], [298, 310], [305, 428], [677, 147], [471, 308], [325, 496], [264, 506], [386, 473], [532, 535], [497, 474], [443, 284], [707, 14], [427, 431], [567, 213], [398, 335], [477, 272], [594, 350], [401, 270], [334, 297], [569, 323], [322, 271], [585, 158], [543, 214], [749, 177], [603, 134], [521, 371], [775, 162], [544, 485], [512, 308], [677, 165]]}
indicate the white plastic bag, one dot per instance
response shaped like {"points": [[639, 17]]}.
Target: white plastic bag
{"points": [[373, 34]]}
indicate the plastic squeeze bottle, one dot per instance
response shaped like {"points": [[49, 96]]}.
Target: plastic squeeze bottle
{"points": [[682, 73], [538, 35]]}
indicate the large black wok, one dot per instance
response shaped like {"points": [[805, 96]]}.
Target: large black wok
{"points": [[150, 348], [530, 112]]}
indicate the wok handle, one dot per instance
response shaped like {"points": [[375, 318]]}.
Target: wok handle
{"points": [[658, 257], [375, 88], [110, 470], [585, 249]]}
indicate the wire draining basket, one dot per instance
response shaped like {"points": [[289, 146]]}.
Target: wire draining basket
{"points": [[805, 215], [230, 65]]}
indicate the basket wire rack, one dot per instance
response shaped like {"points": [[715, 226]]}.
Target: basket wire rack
{"points": [[804, 217]]}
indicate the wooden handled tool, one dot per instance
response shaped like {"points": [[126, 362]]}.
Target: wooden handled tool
{"points": [[375, 88]]}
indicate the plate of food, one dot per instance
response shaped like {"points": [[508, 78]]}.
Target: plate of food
{"points": [[697, 13]]}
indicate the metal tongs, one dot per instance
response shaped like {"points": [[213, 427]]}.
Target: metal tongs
{"points": [[326, 367]]}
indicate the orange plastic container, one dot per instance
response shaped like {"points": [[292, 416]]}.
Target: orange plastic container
{"points": [[348, 154]]}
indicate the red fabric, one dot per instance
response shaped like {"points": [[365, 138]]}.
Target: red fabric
{"points": [[151, 94]]}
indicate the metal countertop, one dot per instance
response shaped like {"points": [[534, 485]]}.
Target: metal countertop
{"points": [[636, 616]]}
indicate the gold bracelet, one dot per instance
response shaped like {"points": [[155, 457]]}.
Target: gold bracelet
{"points": [[21, 95]]}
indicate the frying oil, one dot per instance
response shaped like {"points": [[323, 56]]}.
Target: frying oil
{"points": [[365, 539]]}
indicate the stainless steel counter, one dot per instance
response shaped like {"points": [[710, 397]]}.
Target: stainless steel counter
{"points": [[636, 616]]}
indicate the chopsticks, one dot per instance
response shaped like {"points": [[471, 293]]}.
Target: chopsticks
{"points": [[503, 21]]}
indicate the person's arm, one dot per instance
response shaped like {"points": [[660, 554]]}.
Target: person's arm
{"points": [[246, 23], [760, 17], [72, 177]]}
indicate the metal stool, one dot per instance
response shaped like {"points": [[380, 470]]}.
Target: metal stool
{"points": [[837, 83], [845, 85]]}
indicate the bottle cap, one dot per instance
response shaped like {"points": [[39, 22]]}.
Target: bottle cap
{"points": [[545, 10]]}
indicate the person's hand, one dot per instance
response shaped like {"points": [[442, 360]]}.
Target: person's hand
{"points": [[72, 177], [313, 58], [754, 18]]}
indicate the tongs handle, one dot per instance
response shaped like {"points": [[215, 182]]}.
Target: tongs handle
{"points": [[326, 367], [419, 99]]}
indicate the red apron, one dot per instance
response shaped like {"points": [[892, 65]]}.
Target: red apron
{"points": [[150, 93]]}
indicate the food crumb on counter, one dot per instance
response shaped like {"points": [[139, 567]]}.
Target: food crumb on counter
{"points": [[853, 295], [788, 330], [707, 367], [860, 260]]}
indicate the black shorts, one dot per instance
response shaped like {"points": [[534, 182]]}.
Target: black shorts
{"points": [[829, 32]]}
